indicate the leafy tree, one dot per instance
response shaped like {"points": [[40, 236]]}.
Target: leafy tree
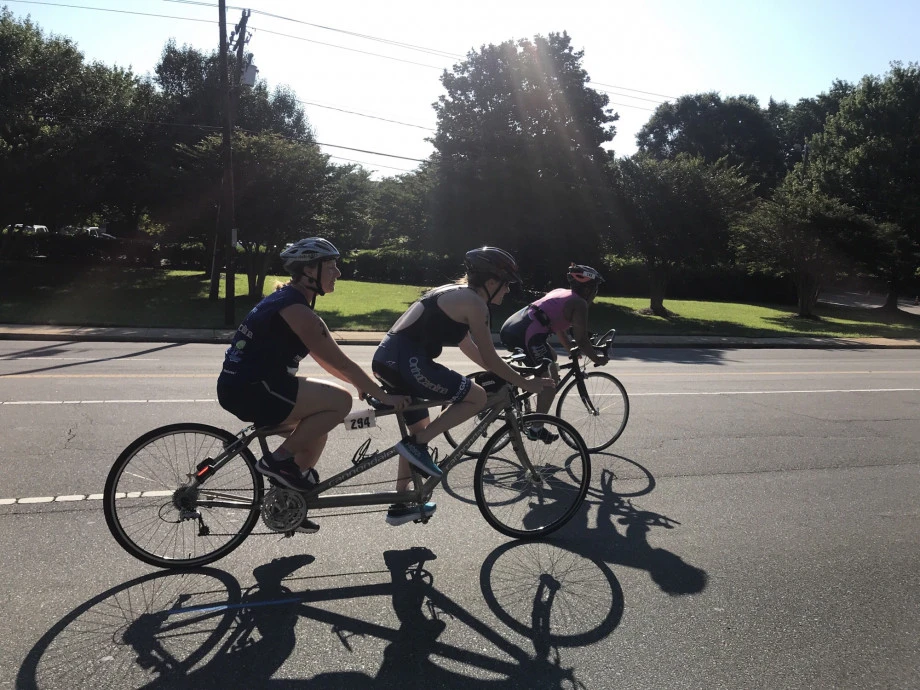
{"points": [[42, 105], [402, 208], [281, 194], [869, 156], [519, 155], [712, 128], [676, 212], [803, 233], [795, 125], [278, 111], [348, 200]]}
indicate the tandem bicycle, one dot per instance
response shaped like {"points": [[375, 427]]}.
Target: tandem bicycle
{"points": [[188, 494]]}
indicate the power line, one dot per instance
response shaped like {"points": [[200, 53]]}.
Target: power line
{"points": [[626, 88], [637, 107], [372, 165], [400, 44], [353, 50], [300, 38], [108, 9], [373, 153], [65, 118], [373, 117], [626, 95]]}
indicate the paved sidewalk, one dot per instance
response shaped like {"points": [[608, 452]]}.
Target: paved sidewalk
{"points": [[223, 336]]}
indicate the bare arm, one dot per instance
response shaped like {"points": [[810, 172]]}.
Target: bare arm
{"points": [[565, 340], [469, 348], [311, 329], [579, 319]]}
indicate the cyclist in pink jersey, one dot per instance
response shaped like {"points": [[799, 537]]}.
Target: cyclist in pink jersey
{"points": [[556, 312]]}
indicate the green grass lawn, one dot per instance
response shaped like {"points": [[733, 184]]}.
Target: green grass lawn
{"points": [[109, 296]]}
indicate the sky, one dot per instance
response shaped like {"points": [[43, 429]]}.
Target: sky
{"points": [[364, 95]]}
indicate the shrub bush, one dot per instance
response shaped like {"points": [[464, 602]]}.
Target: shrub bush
{"points": [[401, 266]]}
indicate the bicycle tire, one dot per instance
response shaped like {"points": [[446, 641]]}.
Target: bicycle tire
{"points": [[504, 491], [139, 507], [609, 399], [130, 628]]}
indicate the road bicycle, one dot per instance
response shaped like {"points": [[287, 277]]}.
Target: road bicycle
{"points": [[187, 494], [594, 402]]}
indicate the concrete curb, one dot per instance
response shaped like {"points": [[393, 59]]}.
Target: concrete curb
{"points": [[223, 336]]}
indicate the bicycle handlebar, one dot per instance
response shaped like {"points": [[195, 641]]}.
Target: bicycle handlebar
{"points": [[602, 343]]}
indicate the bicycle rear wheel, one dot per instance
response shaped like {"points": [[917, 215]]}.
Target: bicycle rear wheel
{"points": [[160, 516], [601, 416], [534, 492]]}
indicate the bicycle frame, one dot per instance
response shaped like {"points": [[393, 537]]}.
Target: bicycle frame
{"points": [[496, 404], [577, 370]]}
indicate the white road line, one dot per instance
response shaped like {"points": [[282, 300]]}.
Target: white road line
{"points": [[75, 359], [631, 395], [838, 390], [104, 402], [82, 497]]}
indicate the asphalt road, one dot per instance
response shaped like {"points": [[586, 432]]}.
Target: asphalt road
{"points": [[755, 526]]}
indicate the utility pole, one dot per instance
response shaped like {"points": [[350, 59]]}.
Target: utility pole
{"points": [[226, 220], [225, 213]]}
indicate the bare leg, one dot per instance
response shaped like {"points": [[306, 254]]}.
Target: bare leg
{"points": [[402, 474], [459, 412], [426, 430], [320, 407], [545, 397]]}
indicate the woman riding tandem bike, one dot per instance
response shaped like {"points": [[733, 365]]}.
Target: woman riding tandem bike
{"points": [[258, 382], [456, 315]]}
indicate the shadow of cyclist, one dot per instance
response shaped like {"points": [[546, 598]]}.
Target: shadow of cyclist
{"points": [[260, 640], [668, 570], [407, 657]]}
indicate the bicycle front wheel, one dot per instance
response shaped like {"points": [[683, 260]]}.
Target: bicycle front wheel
{"points": [[160, 515], [534, 490], [600, 413]]}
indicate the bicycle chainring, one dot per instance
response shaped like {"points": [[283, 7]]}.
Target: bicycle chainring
{"points": [[283, 510]]}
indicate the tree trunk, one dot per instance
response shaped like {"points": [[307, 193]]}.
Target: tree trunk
{"points": [[658, 281], [891, 301], [252, 270], [807, 287], [214, 293]]}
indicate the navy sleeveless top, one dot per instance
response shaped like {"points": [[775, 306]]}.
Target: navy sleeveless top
{"points": [[264, 346], [434, 329]]}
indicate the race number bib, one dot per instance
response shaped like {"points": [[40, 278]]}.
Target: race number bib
{"points": [[362, 419]]}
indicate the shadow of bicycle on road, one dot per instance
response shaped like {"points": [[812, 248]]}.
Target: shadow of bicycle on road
{"points": [[613, 508], [200, 629]]}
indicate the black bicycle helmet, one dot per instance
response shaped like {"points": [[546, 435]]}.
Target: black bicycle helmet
{"points": [[493, 262]]}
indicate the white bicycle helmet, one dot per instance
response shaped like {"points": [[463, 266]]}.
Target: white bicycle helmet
{"points": [[579, 273], [307, 251]]}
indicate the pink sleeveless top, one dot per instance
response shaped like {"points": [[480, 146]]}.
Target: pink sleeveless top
{"points": [[552, 304]]}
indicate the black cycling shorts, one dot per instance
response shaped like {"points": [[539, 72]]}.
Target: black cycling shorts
{"points": [[403, 368], [519, 332], [264, 403]]}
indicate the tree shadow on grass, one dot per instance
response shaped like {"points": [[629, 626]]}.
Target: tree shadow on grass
{"points": [[377, 320], [852, 322], [629, 321]]}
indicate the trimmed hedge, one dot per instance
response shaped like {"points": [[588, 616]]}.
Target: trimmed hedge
{"points": [[401, 266]]}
